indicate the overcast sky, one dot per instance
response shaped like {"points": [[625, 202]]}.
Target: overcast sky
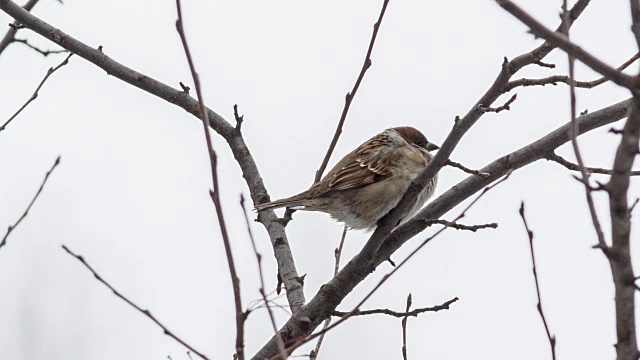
{"points": [[131, 192]]}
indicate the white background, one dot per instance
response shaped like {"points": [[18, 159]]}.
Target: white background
{"points": [[131, 193]]}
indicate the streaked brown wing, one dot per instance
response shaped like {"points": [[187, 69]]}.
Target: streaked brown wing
{"points": [[371, 165]]}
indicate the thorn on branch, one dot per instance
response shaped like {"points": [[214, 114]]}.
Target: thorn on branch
{"points": [[585, 112], [100, 48], [288, 216], [16, 26], [185, 88], [239, 118], [544, 64], [506, 106], [616, 131], [633, 205]]}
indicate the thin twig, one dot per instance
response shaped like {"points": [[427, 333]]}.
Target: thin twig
{"points": [[575, 130], [337, 253], [575, 167], [555, 79], [10, 36], [347, 315], [552, 339], [35, 93], [145, 312], [466, 169], [44, 53], [215, 193], [404, 328], [455, 225], [350, 95], [235, 141], [562, 41], [283, 351], [26, 212], [505, 106], [407, 313]]}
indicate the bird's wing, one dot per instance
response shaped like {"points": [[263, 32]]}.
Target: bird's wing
{"points": [[372, 163]]}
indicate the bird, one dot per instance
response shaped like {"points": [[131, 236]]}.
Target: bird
{"points": [[370, 181]]}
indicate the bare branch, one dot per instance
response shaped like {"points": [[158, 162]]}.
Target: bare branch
{"points": [[575, 130], [466, 169], [215, 193], [561, 41], [144, 312], [551, 338], [457, 226], [337, 253], [384, 242], [283, 351], [44, 53], [10, 36], [26, 212], [350, 95], [505, 106], [555, 79], [407, 313], [575, 167], [619, 255], [404, 328], [259, 194], [35, 93]]}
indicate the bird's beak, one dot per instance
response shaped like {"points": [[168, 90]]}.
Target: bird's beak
{"points": [[432, 146]]}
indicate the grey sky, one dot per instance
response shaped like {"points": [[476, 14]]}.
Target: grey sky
{"points": [[131, 193]]}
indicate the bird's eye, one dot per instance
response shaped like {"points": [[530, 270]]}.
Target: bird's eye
{"points": [[420, 143]]}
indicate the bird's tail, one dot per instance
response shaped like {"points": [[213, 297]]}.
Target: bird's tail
{"points": [[291, 202]]}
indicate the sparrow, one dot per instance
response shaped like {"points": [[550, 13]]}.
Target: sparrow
{"points": [[369, 181]]}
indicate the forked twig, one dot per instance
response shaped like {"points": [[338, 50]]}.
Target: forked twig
{"points": [[555, 79], [407, 313]]}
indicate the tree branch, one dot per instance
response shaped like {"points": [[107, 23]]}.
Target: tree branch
{"points": [[559, 40], [575, 167], [350, 95], [35, 93], [555, 79], [144, 312], [44, 53], [465, 169], [10, 36], [26, 212], [215, 193], [250, 172], [551, 338], [414, 313], [381, 245]]}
